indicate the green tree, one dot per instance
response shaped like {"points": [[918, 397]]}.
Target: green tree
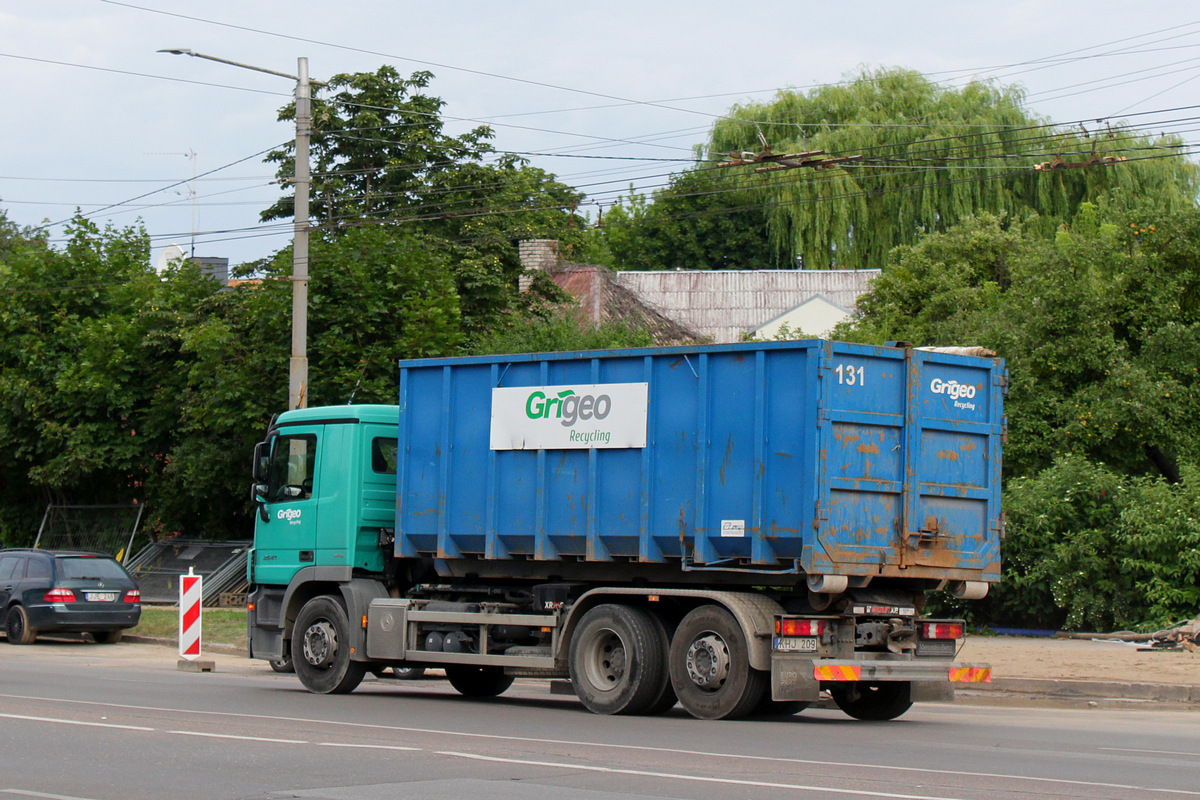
{"points": [[927, 157], [1100, 329], [382, 158], [699, 221], [88, 371]]}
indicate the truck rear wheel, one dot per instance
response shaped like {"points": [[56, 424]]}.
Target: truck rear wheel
{"points": [[710, 666], [471, 681], [617, 661], [321, 649], [873, 701]]}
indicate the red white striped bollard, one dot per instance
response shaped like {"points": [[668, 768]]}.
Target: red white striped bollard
{"points": [[190, 595]]}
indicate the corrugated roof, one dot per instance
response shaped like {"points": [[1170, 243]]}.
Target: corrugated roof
{"points": [[723, 304]]}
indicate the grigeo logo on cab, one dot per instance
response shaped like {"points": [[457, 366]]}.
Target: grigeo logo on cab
{"points": [[960, 393], [292, 515], [580, 416]]}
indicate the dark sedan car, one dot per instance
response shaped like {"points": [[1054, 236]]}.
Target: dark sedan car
{"points": [[43, 591]]}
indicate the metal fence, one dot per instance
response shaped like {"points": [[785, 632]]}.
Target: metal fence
{"points": [[158, 567]]}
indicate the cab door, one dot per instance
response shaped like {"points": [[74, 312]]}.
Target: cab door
{"points": [[286, 533]]}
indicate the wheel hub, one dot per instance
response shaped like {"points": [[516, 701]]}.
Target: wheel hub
{"points": [[320, 644], [708, 662], [606, 668]]}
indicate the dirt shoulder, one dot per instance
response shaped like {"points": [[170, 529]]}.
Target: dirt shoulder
{"points": [[1075, 659]]}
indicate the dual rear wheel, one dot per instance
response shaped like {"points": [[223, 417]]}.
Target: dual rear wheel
{"points": [[622, 661]]}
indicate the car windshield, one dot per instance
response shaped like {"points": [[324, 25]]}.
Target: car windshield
{"points": [[82, 567]]}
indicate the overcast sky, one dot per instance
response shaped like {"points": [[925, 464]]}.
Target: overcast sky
{"points": [[95, 118]]}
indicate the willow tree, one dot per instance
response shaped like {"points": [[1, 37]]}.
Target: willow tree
{"points": [[922, 157]]}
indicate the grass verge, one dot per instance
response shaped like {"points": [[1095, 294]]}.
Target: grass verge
{"points": [[220, 625]]}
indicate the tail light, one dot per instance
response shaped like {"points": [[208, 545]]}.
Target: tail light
{"points": [[133, 596], [59, 596], [799, 627], [941, 630]]}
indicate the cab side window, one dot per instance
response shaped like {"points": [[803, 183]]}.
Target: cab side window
{"points": [[293, 463], [383, 455]]}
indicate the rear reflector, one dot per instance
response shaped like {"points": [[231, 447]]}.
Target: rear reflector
{"points": [[59, 596], [799, 627], [837, 672], [971, 675], [133, 596], [941, 630]]}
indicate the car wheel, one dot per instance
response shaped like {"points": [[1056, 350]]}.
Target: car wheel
{"points": [[17, 627], [107, 637], [283, 664], [408, 673]]}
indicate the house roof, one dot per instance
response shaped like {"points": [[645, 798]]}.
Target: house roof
{"points": [[723, 304], [815, 300], [602, 299]]}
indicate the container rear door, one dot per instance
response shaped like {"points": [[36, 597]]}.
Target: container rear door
{"points": [[908, 460], [860, 460]]}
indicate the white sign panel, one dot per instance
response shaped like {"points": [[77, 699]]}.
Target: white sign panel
{"points": [[573, 417]]}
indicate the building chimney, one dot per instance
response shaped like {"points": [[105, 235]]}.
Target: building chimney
{"points": [[536, 254]]}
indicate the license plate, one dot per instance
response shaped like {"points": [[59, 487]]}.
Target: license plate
{"points": [[796, 644], [100, 597]]}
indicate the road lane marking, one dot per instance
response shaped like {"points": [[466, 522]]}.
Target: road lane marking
{"points": [[74, 722], [240, 738], [1155, 752], [642, 773], [371, 746], [608, 745], [46, 795]]}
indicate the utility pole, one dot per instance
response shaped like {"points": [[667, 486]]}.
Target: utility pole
{"points": [[298, 365]]}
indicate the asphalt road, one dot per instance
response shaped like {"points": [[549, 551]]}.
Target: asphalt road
{"points": [[90, 721]]}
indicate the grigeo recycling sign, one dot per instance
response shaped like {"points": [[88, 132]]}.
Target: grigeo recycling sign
{"points": [[572, 417]]}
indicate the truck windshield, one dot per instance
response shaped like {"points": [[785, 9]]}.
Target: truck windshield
{"points": [[293, 461]]}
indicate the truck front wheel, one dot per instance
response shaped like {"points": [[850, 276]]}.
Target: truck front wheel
{"points": [[873, 701], [710, 666], [321, 649]]}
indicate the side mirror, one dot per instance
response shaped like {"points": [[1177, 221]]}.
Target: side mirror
{"points": [[262, 461], [258, 494]]}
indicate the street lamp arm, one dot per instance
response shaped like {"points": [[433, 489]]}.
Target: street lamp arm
{"points": [[298, 365], [183, 51]]}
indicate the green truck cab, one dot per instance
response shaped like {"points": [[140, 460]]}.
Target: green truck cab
{"points": [[325, 490]]}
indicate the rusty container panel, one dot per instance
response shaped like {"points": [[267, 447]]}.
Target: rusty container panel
{"points": [[814, 456]]}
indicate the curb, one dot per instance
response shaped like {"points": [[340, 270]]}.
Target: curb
{"points": [[215, 647], [1082, 690]]}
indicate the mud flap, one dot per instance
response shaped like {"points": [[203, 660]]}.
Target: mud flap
{"points": [[792, 679]]}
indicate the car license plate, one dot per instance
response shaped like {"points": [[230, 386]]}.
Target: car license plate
{"points": [[100, 597], [796, 644]]}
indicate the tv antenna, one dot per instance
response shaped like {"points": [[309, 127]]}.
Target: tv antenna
{"points": [[191, 190]]}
